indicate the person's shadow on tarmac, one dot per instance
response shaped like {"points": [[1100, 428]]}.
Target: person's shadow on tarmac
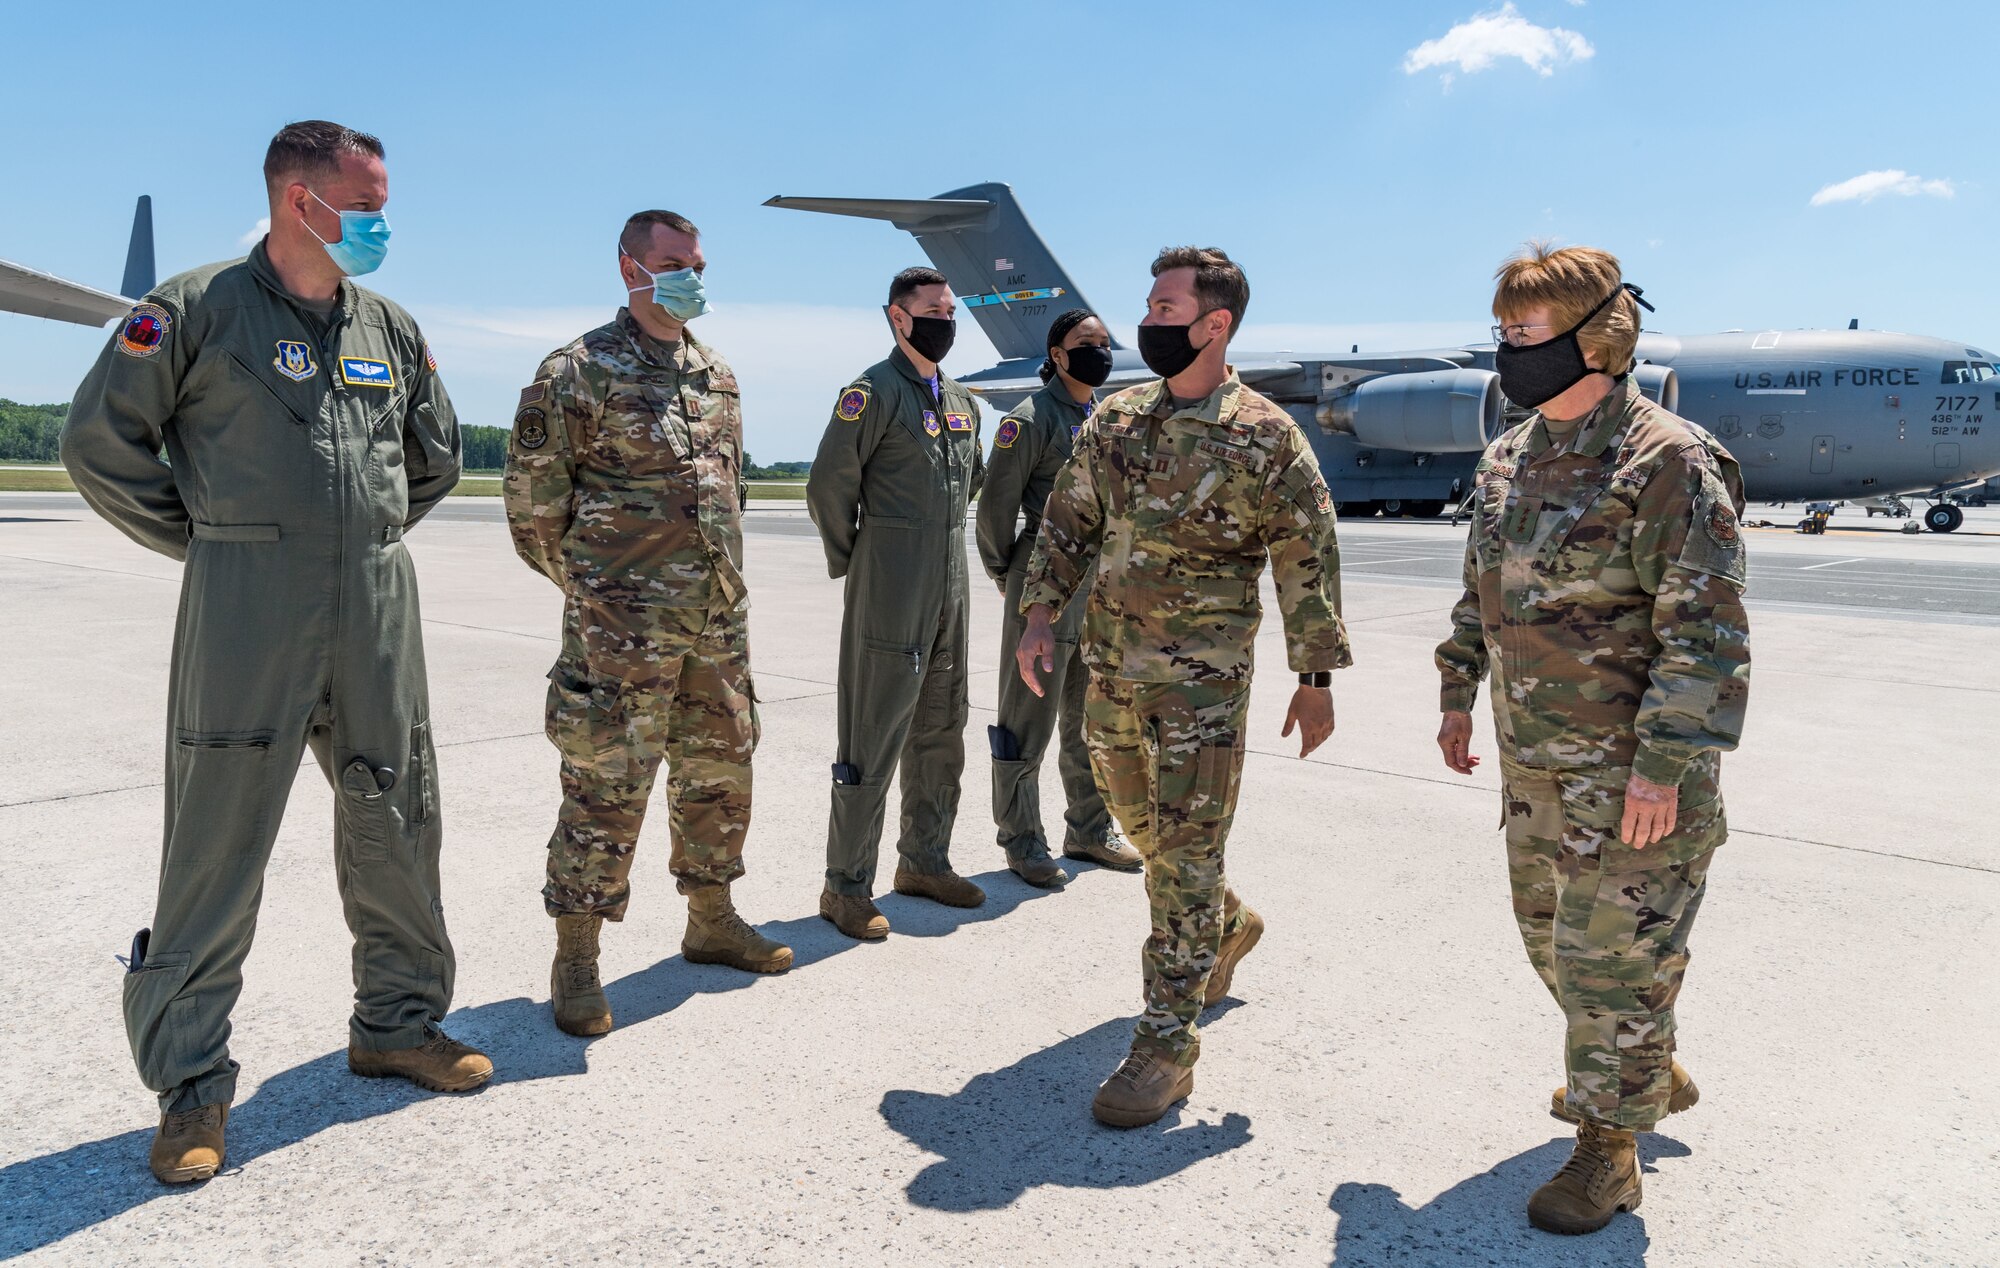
{"points": [[1029, 1124], [1484, 1219], [45, 1199]]}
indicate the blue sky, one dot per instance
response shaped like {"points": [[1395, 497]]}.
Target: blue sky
{"points": [[1369, 163]]}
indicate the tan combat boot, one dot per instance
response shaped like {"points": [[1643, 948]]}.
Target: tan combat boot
{"points": [[576, 993], [1144, 1087], [188, 1146], [1039, 870], [854, 915], [1234, 947], [1600, 1179], [1682, 1097], [717, 935], [439, 1063], [946, 887], [1114, 852]]}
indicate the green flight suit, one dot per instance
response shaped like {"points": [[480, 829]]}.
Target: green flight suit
{"points": [[299, 449], [1030, 447], [888, 492]]}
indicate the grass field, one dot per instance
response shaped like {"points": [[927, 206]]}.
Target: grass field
{"points": [[479, 484]]}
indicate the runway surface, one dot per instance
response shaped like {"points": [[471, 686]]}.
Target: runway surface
{"points": [[1374, 1094]]}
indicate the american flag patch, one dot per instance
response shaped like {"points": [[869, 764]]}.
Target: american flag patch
{"points": [[429, 359], [1002, 265]]}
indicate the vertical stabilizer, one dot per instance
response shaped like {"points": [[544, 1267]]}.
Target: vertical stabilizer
{"points": [[139, 253], [979, 238]]}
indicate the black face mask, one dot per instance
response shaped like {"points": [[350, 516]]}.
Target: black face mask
{"points": [[1088, 365], [1166, 350], [931, 336], [1539, 372]]}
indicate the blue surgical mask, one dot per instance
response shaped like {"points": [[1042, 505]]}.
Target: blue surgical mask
{"points": [[364, 239], [679, 292]]}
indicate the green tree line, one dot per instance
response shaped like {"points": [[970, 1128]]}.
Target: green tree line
{"points": [[28, 432]]}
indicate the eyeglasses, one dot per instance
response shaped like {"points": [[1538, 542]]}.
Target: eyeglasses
{"points": [[1516, 334]]}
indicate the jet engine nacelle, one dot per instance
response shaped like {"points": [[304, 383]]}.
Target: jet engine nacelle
{"points": [[1431, 411], [1659, 384]]}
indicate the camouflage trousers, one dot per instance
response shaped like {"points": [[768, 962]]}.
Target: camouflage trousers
{"points": [[1169, 760], [1606, 926], [668, 684]]}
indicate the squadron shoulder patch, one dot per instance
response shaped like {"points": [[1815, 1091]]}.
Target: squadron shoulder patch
{"points": [[852, 402], [294, 360], [1009, 432], [1322, 497], [145, 330], [1721, 524], [958, 422], [531, 428]]}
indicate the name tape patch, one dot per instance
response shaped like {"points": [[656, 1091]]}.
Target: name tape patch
{"points": [[366, 372]]}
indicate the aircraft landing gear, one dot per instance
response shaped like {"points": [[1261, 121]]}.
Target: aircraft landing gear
{"points": [[1943, 517]]}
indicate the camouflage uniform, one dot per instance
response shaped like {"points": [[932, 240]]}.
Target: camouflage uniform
{"points": [[624, 488], [1178, 509], [1029, 447], [1603, 588], [888, 492]]}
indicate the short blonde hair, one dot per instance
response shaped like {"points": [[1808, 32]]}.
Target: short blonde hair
{"points": [[1569, 282]]}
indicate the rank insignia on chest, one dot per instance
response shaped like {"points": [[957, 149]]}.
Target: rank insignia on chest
{"points": [[1518, 524], [366, 372], [531, 428], [1242, 433], [145, 331], [931, 423], [294, 360], [958, 422], [852, 402], [1008, 433], [1162, 466]]}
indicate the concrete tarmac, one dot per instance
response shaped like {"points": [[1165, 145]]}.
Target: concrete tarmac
{"points": [[1375, 1093]]}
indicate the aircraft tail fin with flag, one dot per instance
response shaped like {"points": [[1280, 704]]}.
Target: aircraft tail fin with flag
{"points": [[980, 239]]}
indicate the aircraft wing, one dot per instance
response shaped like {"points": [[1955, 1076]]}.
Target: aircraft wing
{"points": [[38, 294]]}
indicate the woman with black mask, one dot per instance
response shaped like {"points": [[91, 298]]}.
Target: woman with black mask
{"points": [[1030, 446]]}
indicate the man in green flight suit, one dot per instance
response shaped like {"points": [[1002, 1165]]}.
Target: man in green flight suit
{"points": [[1030, 446], [624, 487], [306, 431], [888, 492], [1180, 489]]}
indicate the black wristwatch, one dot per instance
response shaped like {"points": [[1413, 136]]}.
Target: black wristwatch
{"points": [[1324, 678]]}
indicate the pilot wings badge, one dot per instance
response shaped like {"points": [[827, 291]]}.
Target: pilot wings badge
{"points": [[294, 360]]}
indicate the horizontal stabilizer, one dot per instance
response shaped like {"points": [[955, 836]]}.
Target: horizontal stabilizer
{"points": [[38, 294], [997, 264]]}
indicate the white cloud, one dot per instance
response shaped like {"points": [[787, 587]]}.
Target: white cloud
{"points": [[1869, 186], [1479, 41], [256, 234]]}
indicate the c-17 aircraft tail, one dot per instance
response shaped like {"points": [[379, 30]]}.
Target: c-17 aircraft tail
{"points": [[39, 294], [980, 239]]}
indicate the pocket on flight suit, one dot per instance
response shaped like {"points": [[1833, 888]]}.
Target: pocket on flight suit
{"points": [[421, 794], [220, 774], [163, 1023], [1218, 764], [364, 809]]}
